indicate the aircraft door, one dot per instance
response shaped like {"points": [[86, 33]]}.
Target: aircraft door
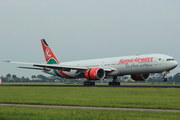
{"points": [[155, 61]]}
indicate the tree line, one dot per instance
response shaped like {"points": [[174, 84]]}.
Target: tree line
{"points": [[33, 78], [42, 78]]}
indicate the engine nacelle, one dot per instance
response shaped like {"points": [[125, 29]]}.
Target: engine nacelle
{"points": [[140, 77], [95, 74]]}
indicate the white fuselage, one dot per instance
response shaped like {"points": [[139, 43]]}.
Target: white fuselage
{"points": [[127, 65]]}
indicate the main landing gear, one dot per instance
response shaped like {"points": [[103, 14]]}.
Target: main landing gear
{"points": [[88, 83], [114, 82]]}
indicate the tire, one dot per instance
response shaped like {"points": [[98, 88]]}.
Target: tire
{"points": [[116, 83], [93, 83], [84, 83]]}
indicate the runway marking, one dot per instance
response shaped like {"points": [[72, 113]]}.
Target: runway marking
{"points": [[92, 108]]}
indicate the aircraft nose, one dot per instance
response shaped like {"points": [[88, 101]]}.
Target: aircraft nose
{"points": [[175, 63], [172, 65]]}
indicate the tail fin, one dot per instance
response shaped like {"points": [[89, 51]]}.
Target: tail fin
{"points": [[49, 55]]}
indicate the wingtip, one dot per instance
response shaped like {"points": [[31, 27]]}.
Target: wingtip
{"points": [[6, 61]]}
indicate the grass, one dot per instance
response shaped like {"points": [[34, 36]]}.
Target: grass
{"points": [[157, 98], [33, 113]]}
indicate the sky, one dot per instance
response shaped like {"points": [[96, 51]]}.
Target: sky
{"points": [[86, 29]]}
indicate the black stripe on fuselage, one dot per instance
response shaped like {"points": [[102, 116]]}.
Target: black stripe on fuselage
{"points": [[89, 74]]}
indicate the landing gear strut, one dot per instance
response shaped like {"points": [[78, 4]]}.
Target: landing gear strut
{"points": [[88, 83], [114, 82], [164, 79]]}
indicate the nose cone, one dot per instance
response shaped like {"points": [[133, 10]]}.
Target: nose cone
{"points": [[171, 65], [174, 64]]}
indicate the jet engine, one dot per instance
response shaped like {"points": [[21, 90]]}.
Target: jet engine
{"points": [[140, 77], [95, 74]]}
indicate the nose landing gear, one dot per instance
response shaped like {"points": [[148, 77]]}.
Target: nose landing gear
{"points": [[164, 79]]}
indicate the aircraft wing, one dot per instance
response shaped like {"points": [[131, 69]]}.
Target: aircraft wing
{"points": [[38, 66]]}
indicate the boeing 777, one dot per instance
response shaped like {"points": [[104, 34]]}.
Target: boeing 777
{"points": [[138, 66]]}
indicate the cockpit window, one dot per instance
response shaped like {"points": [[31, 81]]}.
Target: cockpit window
{"points": [[170, 59]]}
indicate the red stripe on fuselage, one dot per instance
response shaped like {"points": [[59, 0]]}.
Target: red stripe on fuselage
{"points": [[64, 74]]}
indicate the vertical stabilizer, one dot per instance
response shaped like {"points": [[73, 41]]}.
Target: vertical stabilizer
{"points": [[49, 55]]}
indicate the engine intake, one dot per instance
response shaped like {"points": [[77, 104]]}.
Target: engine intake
{"points": [[95, 74], [140, 77]]}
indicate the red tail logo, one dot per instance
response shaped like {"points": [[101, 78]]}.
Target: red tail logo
{"points": [[48, 53]]}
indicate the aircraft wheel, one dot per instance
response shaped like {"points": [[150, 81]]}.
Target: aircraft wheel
{"points": [[87, 83], [109, 83], [84, 83], [93, 83], [165, 80], [118, 83]]}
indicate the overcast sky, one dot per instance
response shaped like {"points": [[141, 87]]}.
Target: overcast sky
{"points": [[86, 29]]}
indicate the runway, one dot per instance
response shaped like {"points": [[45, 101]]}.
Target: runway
{"points": [[135, 86], [92, 108]]}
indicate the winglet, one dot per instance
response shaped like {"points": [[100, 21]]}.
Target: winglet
{"points": [[49, 55]]}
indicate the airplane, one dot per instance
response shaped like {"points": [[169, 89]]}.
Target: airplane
{"points": [[138, 66]]}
